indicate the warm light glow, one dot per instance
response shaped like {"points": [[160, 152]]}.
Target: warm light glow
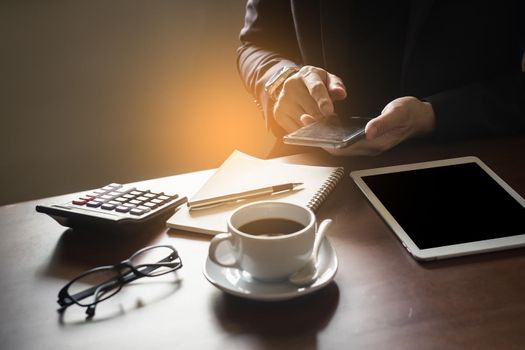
{"points": [[205, 114], [121, 92]]}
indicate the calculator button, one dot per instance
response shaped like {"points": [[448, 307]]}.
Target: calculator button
{"points": [[105, 197], [136, 211], [128, 196], [111, 187], [129, 205], [150, 195], [157, 201], [124, 190], [150, 205], [108, 206], [122, 209], [146, 209], [142, 199], [163, 197], [121, 199], [114, 202], [99, 192], [114, 193], [79, 202], [134, 201], [94, 204], [136, 193]]}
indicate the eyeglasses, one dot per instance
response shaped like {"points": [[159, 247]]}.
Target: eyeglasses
{"points": [[101, 283]]}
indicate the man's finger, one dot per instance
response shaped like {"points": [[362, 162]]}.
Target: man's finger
{"points": [[287, 114], [307, 119], [296, 88], [336, 87], [315, 81]]}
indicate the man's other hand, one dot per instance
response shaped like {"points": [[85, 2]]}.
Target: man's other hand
{"points": [[401, 119]]}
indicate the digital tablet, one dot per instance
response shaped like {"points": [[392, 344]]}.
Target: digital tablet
{"points": [[446, 208]]}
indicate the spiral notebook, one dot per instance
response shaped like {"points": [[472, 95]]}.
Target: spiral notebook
{"points": [[241, 172]]}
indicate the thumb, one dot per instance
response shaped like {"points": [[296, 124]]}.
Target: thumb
{"points": [[389, 120], [336, 88]]}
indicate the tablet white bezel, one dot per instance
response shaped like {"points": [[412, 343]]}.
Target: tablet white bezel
{"points": [[445, 251]]}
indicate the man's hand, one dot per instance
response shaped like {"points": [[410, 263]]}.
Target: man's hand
{"points": [[307, 96], [401, 119]]}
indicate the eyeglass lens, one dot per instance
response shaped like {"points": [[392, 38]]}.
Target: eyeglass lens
{"points": [[164, 258], [107, 280]]}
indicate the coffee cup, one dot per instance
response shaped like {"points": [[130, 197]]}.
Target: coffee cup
{"points": [[269, 240]]}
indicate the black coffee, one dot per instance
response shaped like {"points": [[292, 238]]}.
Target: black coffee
{"points": [[271, 227]]}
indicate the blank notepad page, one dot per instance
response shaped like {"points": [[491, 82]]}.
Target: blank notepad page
{"points": [[241, 172]]}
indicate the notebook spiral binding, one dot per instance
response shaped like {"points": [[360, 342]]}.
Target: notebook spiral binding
{"points": [[326, 189]]}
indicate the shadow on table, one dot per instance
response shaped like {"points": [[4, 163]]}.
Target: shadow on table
{"points": [[133, 296], [79, 250], [279, 324]]}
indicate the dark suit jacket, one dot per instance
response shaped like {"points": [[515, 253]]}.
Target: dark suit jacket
{"points": [[464, 57]]}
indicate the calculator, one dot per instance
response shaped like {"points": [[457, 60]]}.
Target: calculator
{"points": [[114, 206]]}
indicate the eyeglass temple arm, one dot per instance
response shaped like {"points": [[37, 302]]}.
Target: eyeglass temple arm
{"points": [[90, 310]]}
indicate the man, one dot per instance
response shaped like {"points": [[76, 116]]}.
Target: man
{"points": [[438, 69]]}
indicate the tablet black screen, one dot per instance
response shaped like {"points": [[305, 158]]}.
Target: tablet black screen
{"points": [[448, 205]]}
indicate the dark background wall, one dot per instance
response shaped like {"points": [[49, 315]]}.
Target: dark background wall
{"points": [[99, 91]]}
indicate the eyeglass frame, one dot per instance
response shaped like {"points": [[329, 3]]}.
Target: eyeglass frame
{"points": [[65, 300]]}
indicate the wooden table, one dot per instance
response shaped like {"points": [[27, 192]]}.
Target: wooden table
{"points": [[381, 297]]}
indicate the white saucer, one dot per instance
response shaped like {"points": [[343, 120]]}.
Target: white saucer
{"points": [[240, 283]]}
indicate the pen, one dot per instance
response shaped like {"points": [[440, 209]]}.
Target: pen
{"points": [[205, 202]]}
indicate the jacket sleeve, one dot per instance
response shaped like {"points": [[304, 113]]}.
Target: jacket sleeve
{"points": [[495, 107], [268, 44]]}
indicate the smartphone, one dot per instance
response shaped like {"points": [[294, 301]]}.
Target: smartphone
{"points": [[331, 132]]}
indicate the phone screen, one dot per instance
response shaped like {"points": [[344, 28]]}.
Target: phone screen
{"points": [[333, 132]]}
